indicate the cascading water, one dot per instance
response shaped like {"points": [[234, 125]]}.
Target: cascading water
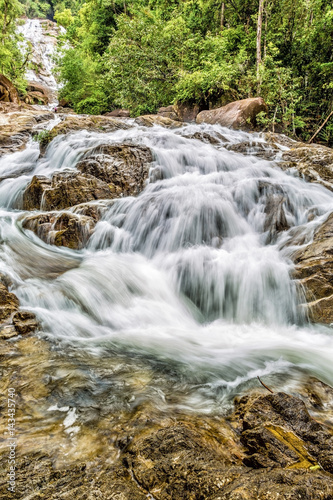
{"points": [[184, 277]]}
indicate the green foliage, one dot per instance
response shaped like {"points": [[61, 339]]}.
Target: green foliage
{"points": [[147, 53], [11, 57]]}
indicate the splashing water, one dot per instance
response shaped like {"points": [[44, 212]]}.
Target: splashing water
{"points": [[183, 276]]}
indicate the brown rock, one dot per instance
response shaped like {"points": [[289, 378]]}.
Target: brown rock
{"points": [[8, 92], [187, 112], [275, 220], [64, 190], [124, 167], [168, 112], [238, 114], [25, 322], [278, 431], [314, 265], [8, 303], [119, 113], [151, 120], [61, 229], [313, 162]]}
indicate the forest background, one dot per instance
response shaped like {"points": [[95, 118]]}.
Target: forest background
{"points": [[144, 54]]}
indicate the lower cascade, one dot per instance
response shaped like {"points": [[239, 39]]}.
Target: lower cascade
{"points": [[193, 275]]}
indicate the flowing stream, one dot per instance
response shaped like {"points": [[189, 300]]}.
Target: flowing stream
{"points": [[184, 281], [181, 277]]}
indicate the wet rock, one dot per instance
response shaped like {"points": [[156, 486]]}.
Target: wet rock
{"points": [[16, 126], [151, 120], [76, 123], [312, 161], [124, 167], [213, 138], [37, 93], [25, 322], [278, 431], [275, 221], [61, 229], [278, 140], [259, 149], [8, 303], [64, 190], [238, 114], [313, 270]]}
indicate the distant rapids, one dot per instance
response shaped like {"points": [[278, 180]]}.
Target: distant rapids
{"points": [[184, 275]]}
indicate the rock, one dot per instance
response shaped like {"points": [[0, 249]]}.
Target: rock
{"points": [[124, 167], [76, 123], [61, 229], [17, 123], [119, 113], [275, 220], [8, 303], [25, 322], [8, 92], [187, 112], [168, 112], [213, 138], [238, 114], [151, 120], [278, 431], [314, 266], [64, 103], [64, 190], [313, 162], [37, 93], [259, 149]]}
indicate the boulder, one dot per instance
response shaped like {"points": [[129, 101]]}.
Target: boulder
{"points": [[151, 120], [275, 221], [313, 162], [64, 190], [168, 112], [314, 271], [61, 229], [124, 167], [238, 115], [8, 92], [187, 112], [119, 113]]}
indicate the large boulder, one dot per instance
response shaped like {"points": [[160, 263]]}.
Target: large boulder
{"points": [[313, 162], [64, 190], [124, 167], [37, 94], [314, 271], [8, 92], [238, 114]]}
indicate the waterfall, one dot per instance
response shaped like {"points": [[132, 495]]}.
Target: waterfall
{"points": [[190, 273]]}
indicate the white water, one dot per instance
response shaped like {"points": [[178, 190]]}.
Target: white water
{"points": [[43, 46], [180, 276]]}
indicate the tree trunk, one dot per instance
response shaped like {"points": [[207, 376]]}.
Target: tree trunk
{"points": [[222, 15], [259, 31]]}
